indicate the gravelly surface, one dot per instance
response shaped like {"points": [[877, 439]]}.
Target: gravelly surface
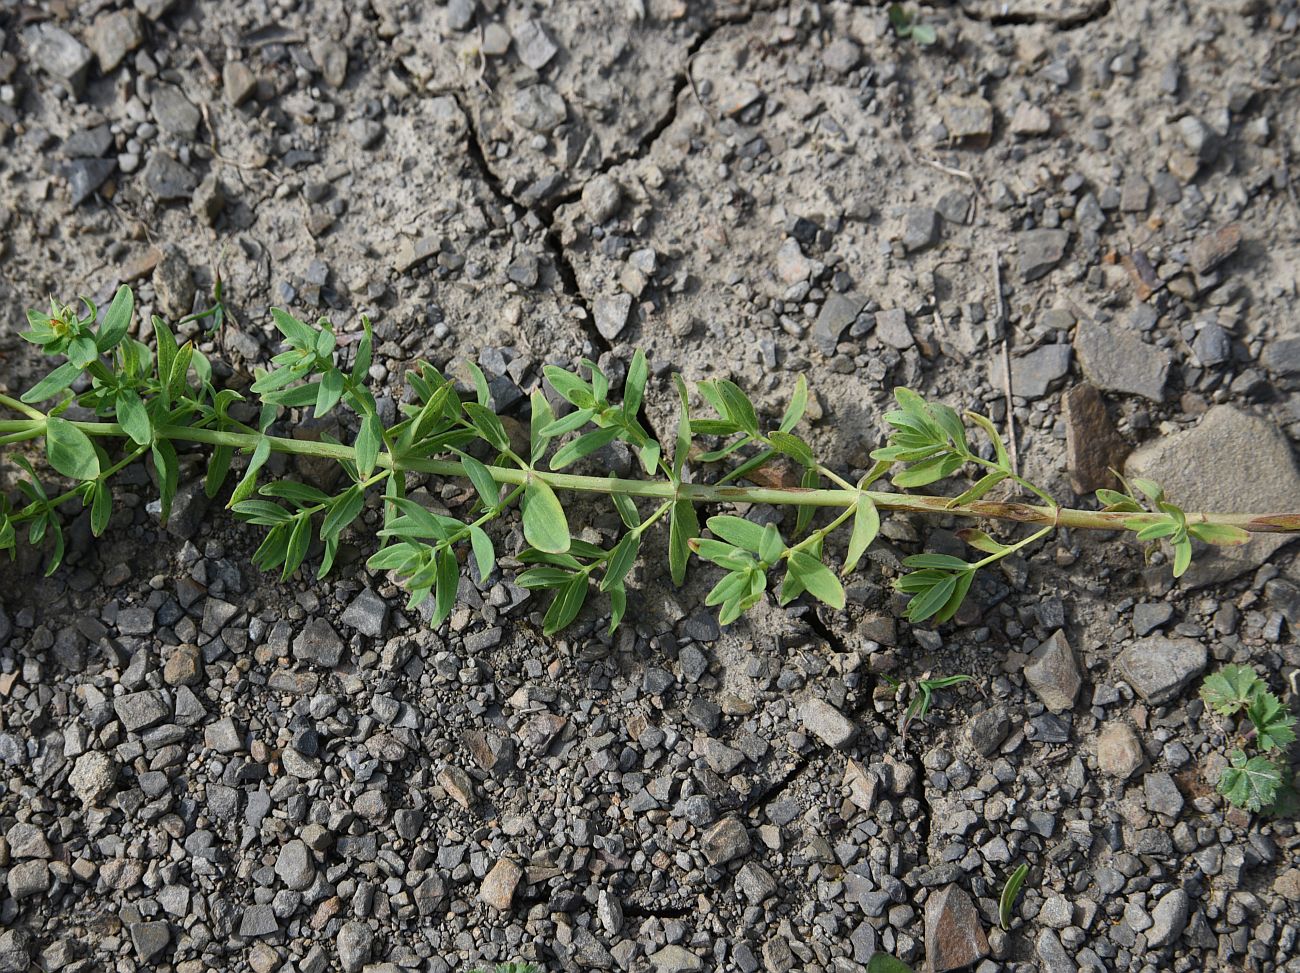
{"points": [[202, 768]]}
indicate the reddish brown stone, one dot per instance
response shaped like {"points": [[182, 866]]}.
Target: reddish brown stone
{"points": [[954, 937], [1212, 249], [1092, 446]]}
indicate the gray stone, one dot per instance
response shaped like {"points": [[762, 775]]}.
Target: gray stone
{"points": [[601, 197], [16, 946], [318, 643], [294, 865], [611, 314], [920, 228], [1033, 374], [1053, 673], [238, 82], [258, 920], [1159, 669], [1057, 912], [538, 108], [987, 730], [827, 723], [533, 45], [954, 936], [58, 53], [84, 176], [174, 112], [675, 959], [892, 329], [837, 313], [1212, 346], [139, 711], [173, 284], [791, 264], [112, 36], [842, 55], [209, 199], [150, 939], [725, 841], [1148, 616], [1052, 955], [460, 14], [1040, 251], [29, 878], [1162, 794], [1229, 461], [1282, 356], [367, 613], [1168, 919], [499, 885], [93, 777], [166, 179], [27, 841], [1115, 359], [223, 736]]}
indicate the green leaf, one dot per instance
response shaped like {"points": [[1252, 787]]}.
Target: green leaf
{"points": [[566, 605], [943, 562], [683, 526], [737, 407], [168, 470], [883, 962], [369, 438], [804, 516], [545, 526], [1251, 783], [792, 446], [101, 508], [923, 34], [1231, 689], [543, 577], [1182, 557], [342, 511], [954, 601], [798, 405], [299, 335], [1220, 535], [634, 386], [69, 450], [981, 541], [817, 579], [738, 531], [248, 482], [570, 387], [683, 437], [731, 585], [542, 416], [573, 421], [485, 557], [365, 352], [484, 485], [1153, 491], [328, 392], [301, 494], [626, 508], [262, 512], [299, 541], [488, 425], [866, 525], [620, 562], [928, 471], [990, 430], [132, 416], [1152, 530], [53, 383], [979, 489], [448, 581], [1112, 500], [583, 446], [932, 599], [327, 557], [1273, 721], [617, 606], [1007, 900], [167, 348], [772, 545], [482, 394], [82, 351]]}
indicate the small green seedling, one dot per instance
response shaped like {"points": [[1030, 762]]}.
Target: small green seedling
{"points": [[925, 690], [153, 403], [1010, 892], [905, 26], [884, 963], [1255, 781]]}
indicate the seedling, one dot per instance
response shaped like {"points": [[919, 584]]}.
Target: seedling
{"points": [[147, 402], [1010, 892], [906, 26], [1254, 781]]}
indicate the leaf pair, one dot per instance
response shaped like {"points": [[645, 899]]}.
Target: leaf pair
{"points": [[938, 587]]}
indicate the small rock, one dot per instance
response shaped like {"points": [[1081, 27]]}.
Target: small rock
{"points": [[1119, 751], [150, 939], [791, 265], [93, 777], [332, 59], [166, 179], [1052, 955], [532, 44], [458, 785], [238, 82], [1053, 673], [318, 643], [920, 228], [1212, 345], [223, 736], [986, 730], [139, 711], [27, 841], [29, 878], [367, 613], [538, 108], [968, 120], [725, 841], [174, 112], [954, 937], [611, 314], [837, 313], [1033, 374], [892, 329], [173, 283], [1162, 794], [1115, 359], [295, 866], [676, 959], [1135, 194], [1168, 919], [112, 36], [354, 942], [601, 197], [58, 53], [499, 885], [1148, 616], [258, 920], [827, 723], [1159, 669], [1040, 251], [460, 14], [209, 199], [1213, 248], [85, 176], [842, 55], [16, 947], [1092, 445], [1030, 120]]}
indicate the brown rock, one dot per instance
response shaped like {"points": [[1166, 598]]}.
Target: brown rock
{"points": [[1119, 751], [724, 841], [1212, 249], [498, 888], [1092, 446], [457, 783], [184, 666], [954, 937]]}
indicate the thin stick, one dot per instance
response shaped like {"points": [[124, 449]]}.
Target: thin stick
{"points": [[1012, 451]]}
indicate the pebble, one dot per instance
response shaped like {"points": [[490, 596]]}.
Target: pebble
{"points": [[676, 959], [294, 865], [1168, 919], [1040, 251], [611, 313], [601, 197], [1148, 616], [836, 314], [166, 179], [318, 643], [1093, 447], [1159, 668], [920, 228], [354, 943], [725, 841], [139, 711], [174, 112], [533, 45], [827, 723], [1115, 359], [58, 53], [149, 939], [238, 82], [367, 613], [954, 936], [16, 947], [1053, 674], [1033, 374], [93, 777], [1119, 751], [499, 886]]}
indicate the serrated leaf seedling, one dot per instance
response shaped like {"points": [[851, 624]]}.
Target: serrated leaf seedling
{"points": [[1258, 780], [111, 400]]}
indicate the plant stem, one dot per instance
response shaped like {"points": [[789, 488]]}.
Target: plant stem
{"points": [[697, 492]]}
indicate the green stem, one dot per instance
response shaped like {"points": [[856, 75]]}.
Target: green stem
{"points": [[703, 492], [23, 407], [1011, 549]]}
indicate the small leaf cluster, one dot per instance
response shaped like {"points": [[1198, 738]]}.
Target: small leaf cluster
{"points": [[1170, 525], [906, 26], [1254, 781]]}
